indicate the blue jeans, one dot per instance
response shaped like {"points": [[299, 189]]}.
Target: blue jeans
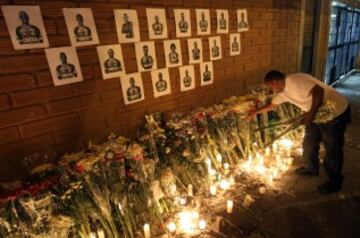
{"points": [[332, 135]]}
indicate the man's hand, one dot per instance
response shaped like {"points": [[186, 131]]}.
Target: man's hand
{"points": [[251, 114]]}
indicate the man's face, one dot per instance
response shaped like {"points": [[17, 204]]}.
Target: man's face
{"points": [[24, 17], [146, 50], [126, 17], [160, 76], [195, 45], [63, 58], [276, 86], [182, 16], [156, 19], [132, 82], [186, 73], [203, 16], [79, 19], [111, 53], [172, 48]]}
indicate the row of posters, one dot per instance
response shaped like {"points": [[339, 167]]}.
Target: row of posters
{"points": [[65, 68], [27, 30], [112, 62]]}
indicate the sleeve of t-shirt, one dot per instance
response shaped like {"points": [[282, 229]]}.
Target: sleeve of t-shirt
{"points": [[301, 83], [278, 99]]}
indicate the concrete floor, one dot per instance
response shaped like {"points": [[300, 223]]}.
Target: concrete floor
{"points": [[302, 212]]}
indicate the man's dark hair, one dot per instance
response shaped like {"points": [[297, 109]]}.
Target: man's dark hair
{"points": [[274, 75]]}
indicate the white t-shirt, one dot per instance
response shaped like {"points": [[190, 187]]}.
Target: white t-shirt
{"points": [[297, 91]]}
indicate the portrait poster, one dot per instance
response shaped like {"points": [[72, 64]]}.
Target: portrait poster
{"points": [[81, 26], [64, 65], [25, 26], [182, 22], [160, 82], [127, 25], [145, 56], [156, 18], [207, 73], [215, 48], [132, 88], [222, 21], [173, 55], [195, 50], [242, 20], [111, 61], [235, 44], [203, 23], [187, 78]]}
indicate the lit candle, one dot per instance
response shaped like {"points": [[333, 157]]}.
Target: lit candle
{"points": [[267, 152], [147, 230], [275, 147], [182, 201], [226, 166], [232, 180], [171, 226], [229, 206], [202, 224], [208, 163], [262, 190], [289, 161], [219, 158], [190, 190], [213, 190], [250, 158], [224, 184], [101, 234]]}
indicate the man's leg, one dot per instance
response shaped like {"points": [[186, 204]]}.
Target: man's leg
{"points": [[311, 147], [333, 138]]}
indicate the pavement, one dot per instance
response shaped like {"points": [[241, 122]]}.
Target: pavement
{"points": [[302, 212]]}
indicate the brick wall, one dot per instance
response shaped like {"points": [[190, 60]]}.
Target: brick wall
{"points": [[35, 116]]}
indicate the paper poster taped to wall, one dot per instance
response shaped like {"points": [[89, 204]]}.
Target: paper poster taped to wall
{"points": [[195, 50], [26, 27], [242, 20], [111, 61], [132, 88], [235, 44], [203, 23], [207, 73], [127, 25], [215, 48], [182, 22], [145, 56], [81, 26], [173, 55], [222, 20], [157, 25], [161, 82], [64, 65], [187, 78]]}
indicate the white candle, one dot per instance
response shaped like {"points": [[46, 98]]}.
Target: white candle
{"points": [[182, 201], [224, 184], [213, 190], [190, 190], [229, 206], [226, 166], [147, 230], [275, 147], [262, 190], [267, 152], [218, 158], [202, 224], [171, 227]]}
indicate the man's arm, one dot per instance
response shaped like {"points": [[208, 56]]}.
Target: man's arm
{"points": [[317, 93], [254, 112]]}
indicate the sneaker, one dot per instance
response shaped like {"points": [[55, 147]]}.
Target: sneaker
{"points": [[328, 187], [306, 171]]}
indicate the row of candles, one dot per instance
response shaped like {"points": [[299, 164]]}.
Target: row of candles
{"points": [[268, 166]]}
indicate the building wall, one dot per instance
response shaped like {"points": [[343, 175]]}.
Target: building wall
{"points": [[36, 117]]}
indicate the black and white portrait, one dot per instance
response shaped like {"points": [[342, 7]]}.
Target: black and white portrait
{"points": [[235, 44], [127, 25], [173, 56], [81, 26], [195, 50], [222, 18], [183, 22], [187, 78], [203, 21], [242, 20], [157, 25], [160, 82], [145, 56], [132, 88], [64, 65], [206, 73], [215, 48], [26, 27], [111, 61]]}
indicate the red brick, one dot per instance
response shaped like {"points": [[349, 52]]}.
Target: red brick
{"points": [[4, 102], [72, 104], [21, 115], [41, 95], [48, 125], [8, 135], [10, 83], [96, 85], [29, 63]]}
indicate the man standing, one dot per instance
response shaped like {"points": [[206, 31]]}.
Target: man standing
{"points": [[308, 93]]}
